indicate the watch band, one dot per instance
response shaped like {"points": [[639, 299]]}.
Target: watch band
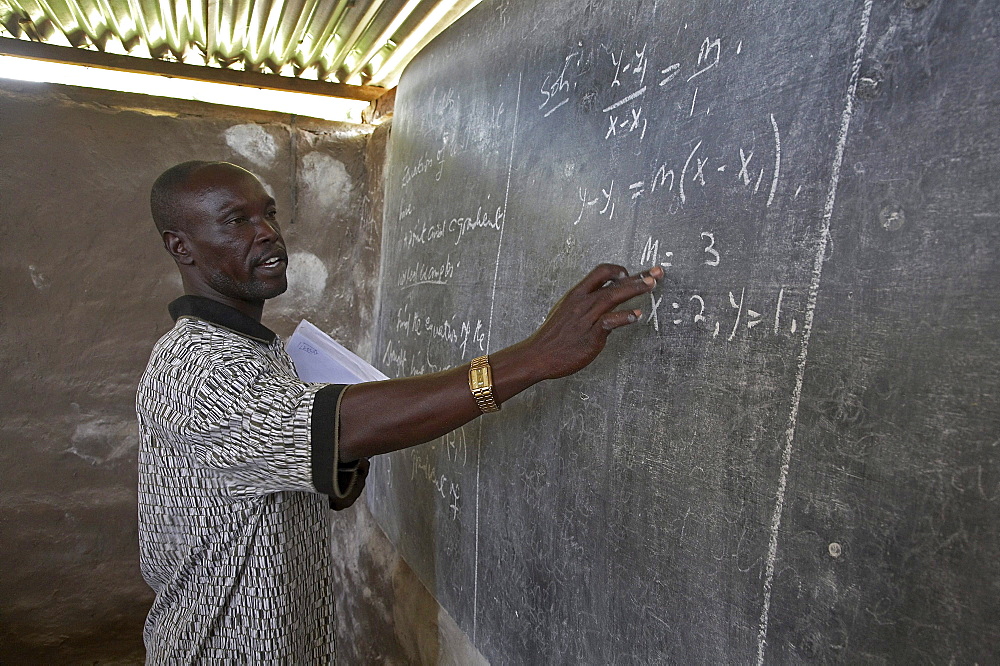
{"points": [[481, 384]]}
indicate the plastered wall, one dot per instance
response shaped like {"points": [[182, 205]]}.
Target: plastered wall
{"points": [[85, 284]]}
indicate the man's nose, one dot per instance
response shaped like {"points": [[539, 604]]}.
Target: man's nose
{"points": [[268, 230]]}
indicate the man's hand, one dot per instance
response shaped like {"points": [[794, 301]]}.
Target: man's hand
{"points": [[380, 417], [577, 328]]}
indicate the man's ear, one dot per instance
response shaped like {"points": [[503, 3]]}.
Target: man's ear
{"points": [[178, 246]]}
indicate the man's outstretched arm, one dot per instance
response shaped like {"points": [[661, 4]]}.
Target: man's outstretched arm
{"points": [[380, 417]]}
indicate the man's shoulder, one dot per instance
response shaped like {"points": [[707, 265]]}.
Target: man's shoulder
{"points": [[196, 343], [196, 354]]}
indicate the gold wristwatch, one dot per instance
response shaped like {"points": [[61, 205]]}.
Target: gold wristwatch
{"points": [[481, 384]]}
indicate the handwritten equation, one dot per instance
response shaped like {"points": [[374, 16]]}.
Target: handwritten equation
{"points": [[628, 86], [692, 309], [676, 178], [635, 95], [629, 93]]}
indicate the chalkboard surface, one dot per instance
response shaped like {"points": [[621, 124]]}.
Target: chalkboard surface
{"points": [[796, 454]]}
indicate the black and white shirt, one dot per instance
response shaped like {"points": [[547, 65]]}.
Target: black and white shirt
{"points": [[237, 457]]}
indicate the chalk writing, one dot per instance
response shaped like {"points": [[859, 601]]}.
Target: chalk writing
{"points": [[710, 250], [402, 362], [585, 201], [777, 160], [625, 114], [423, 467], [650, 253], [456, 446], [629, 106], [606, 194], [411, 171], [422, 233], [424, 463], [708, 56], [413, 324], [556, 88], [421, 273], [693, 308], [698, 168]]}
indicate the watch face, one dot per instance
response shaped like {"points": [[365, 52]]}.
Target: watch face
{"points": [[479, 378]]}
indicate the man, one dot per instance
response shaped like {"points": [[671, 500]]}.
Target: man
{"points": [[239, 460]]}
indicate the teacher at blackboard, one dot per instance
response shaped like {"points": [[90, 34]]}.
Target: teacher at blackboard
{"points": [[239, 459]]}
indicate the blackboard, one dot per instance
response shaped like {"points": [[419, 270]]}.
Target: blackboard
{"points": [[795, 455]]}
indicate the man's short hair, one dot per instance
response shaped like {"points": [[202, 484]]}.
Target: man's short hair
{"points": [[163, 197]]}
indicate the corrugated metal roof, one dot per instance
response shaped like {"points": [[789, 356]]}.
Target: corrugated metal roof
{"points": [[359, 42]]}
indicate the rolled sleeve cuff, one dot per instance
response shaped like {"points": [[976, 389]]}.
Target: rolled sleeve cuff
{"points": [[329, 476]]}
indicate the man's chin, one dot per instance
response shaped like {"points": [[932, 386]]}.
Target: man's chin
{"points": [[275, 291], [256, 291]]}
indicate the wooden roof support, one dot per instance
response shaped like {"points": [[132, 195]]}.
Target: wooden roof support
{"points": [[74, 56], [380, 109]]}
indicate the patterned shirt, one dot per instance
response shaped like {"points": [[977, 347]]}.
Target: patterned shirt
{"points": [[236, 458]]}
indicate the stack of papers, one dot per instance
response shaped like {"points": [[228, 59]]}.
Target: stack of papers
{"points": [[321, 359]]}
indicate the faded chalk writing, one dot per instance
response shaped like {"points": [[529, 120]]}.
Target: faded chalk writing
{"points": [[421, 273]]}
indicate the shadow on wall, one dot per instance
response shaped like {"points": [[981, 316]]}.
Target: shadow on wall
{"points": [[385, 615]]}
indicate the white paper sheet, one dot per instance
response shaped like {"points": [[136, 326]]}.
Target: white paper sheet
{"points": [[321, 359]]}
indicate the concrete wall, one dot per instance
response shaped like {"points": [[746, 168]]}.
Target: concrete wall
{"points": [[85, 284]]}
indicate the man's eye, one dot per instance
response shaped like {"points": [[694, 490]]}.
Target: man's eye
{"points": [[236, 220]]}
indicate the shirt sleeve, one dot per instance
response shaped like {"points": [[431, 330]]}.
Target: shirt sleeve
{"points": [[330, 476], [262, 430]]}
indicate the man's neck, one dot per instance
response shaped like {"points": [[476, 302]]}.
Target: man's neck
{"points": [[252, 309]]}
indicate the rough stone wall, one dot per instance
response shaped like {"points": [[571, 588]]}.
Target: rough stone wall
{"points": [[85, 284]]}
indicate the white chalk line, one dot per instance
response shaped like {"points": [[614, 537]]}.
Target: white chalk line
{"points": [[777, 160], [554, 108], [489, 332], [685, 170], [414, 284], [786, 455], [641, 91]]}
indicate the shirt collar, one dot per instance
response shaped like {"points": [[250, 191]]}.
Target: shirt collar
{"points": [[222, 315]]}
